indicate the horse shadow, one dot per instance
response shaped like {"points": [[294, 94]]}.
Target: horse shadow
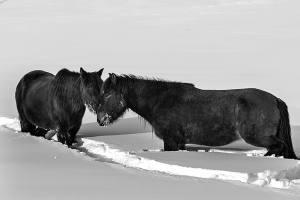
{"points": [[122, 127]]}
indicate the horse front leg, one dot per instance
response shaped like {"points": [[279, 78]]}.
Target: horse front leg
{"points": [[65, 136], [173, 142], [61, 134], [72, 133], [69, 139]]}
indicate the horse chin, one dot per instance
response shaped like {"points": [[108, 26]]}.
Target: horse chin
{"points": [[105, 120], [104, 124]]}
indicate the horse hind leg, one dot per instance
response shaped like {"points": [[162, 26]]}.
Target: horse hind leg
{"points": [[264, 137], [26, 125], [278, 147], [40, 132], [281, 138], [173, 142]]}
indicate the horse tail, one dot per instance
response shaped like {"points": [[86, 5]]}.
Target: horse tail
{"points": [[284, 130]]}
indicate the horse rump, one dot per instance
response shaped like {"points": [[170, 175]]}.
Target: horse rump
{"points": [[20, 95]]}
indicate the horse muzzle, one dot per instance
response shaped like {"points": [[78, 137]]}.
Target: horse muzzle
{"points": [[105, 120]]}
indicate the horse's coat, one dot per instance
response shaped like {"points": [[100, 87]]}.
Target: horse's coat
{"points": [[49, 104], [180, 113]]}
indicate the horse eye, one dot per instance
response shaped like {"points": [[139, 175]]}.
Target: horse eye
{"points": [[107, 95], [89, 87]]}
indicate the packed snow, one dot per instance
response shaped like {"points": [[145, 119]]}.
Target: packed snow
{"points": [[10, 123], [282, 179]]}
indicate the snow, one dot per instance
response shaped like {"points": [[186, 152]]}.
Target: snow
{"points": [[215, 44], [10, 123], [278, 179], [283, 179]]}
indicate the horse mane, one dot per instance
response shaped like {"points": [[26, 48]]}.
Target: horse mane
{"points": [[66, 86], [157, 80], [128, 79]]}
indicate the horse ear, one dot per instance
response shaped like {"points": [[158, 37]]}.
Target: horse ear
{"points": [[82, 72], [113, 78], [100, 72]]}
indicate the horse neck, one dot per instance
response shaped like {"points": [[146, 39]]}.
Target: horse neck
{"points": [[138, 98], [68, 91]]}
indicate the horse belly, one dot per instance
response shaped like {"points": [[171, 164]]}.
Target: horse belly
{"points": [[213, 127], [213, 136]]}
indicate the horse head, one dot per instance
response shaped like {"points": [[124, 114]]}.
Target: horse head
{"points": [[91, 83], [112, 103]]}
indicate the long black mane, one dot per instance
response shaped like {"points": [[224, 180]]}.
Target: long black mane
{"points": [[131, 78], [128, 80], [66, 86]]}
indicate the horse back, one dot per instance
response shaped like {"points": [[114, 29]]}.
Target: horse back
{"points": [[29, 79]]}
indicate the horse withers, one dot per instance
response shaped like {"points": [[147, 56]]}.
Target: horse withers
{"points": [[49, 105], [182, 114]]}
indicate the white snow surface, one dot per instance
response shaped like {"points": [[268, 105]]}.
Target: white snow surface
{"points": [[282, 179], [10, 123]]}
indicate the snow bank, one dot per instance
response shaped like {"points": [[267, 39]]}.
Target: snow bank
{"points": [[256, 153], [10, 123], [283, 179], [276, 179]]}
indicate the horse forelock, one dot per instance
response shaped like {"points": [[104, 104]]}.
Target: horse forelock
{"points": [[95, 80]]}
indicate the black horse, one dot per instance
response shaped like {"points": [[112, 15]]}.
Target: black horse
{"points": [[49, 104], [182, 114]]}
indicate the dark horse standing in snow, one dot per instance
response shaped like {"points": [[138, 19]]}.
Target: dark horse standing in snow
{"points": [[49, 104], [182, 114]]}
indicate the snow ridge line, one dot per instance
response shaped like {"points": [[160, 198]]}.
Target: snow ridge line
{"points": [[284, 179]]}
